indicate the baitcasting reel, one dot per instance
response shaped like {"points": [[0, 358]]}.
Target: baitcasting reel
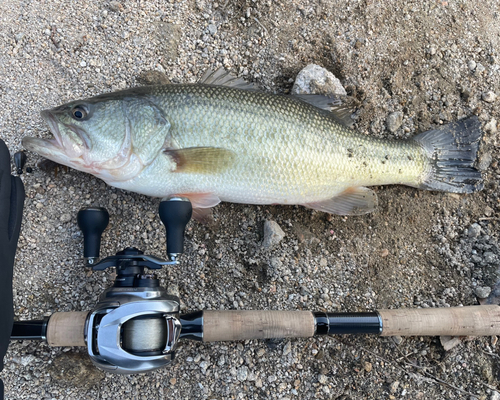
{"points": [[135, 326]]}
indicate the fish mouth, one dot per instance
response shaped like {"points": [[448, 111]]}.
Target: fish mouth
{"points": [[46, 147], [58, 148]]}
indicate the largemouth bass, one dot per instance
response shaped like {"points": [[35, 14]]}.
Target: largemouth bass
{"points": [[220, 140]]}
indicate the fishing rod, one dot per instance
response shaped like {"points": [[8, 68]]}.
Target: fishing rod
{"points": [[136, 325]]}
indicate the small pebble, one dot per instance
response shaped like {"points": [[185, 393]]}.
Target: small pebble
{"points": [[242, 373], [115, 6], [484, 161], [472, 65], [397, 339], [273, 234], [204, 366], [491, 126], [488, 211], [65, 218], [323, 379], [394, 121], [287, 349], [489, 257], [495, 395], [479, 69], [394, 387], [212, 29], [482, 292], [368, 366], [449, 342], [489, 97], [474, 230]]}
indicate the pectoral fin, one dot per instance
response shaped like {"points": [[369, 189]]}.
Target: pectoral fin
{"points": [[201, 160], [353, 201]]}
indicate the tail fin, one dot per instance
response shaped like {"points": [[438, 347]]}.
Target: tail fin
{"points": [[452, 152]]}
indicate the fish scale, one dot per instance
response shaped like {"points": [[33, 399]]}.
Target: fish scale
{"points": [[232, 143]]}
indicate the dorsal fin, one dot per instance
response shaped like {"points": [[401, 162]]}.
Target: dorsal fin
{"points": [[221, 77], [341, 112]]}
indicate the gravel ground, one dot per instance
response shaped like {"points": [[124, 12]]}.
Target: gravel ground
{"points": [[406, 66]]}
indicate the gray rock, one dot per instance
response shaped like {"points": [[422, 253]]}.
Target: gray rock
{"points": [[482, 292], [242, 373], [472, 65], [314, 79], [480, 68], [204, 366], [273, 234], [474, 231], [212, 29], [489, 97], [65, 218], [287, 349], [484, 161], [19, 36], [397, 339], [394, 121], [323, 379], [449, 342], [495, 396], [489, 257], [394, 387], [491, 126], [466, 93], [115, 6]]}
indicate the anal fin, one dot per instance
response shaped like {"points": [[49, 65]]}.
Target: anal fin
{"points": [[353, 201]]}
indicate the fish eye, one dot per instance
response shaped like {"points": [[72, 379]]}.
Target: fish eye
{"points": [[79, 113]]}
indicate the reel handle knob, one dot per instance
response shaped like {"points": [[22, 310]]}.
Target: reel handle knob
{"points": [[175, 213], [92, 222], [19, 161]]}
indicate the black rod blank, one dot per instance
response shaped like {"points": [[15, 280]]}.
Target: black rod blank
{"points": [[347, 323]]}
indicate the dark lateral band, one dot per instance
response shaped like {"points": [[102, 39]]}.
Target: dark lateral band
{"points": [[347, 323]]}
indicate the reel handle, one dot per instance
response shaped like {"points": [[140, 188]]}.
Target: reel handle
{"points": [[92, 222], [175, 213]]}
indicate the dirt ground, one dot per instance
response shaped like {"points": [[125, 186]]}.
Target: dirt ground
{"points": [[434, 61]]}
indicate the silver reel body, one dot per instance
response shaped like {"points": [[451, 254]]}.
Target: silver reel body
{"points": [[133, 329]]}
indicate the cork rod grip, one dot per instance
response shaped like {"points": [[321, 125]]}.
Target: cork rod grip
{"points": [[454, 321], [243, 325], [67, 329]]}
